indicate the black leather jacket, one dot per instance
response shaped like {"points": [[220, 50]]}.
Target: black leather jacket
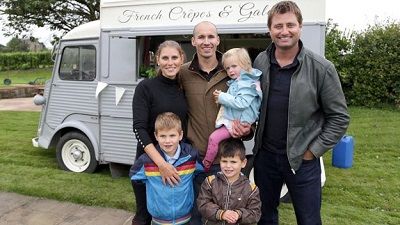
{"points": [[317, 114]]}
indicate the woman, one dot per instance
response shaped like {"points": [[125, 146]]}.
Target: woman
{"points": [[152, 97]]}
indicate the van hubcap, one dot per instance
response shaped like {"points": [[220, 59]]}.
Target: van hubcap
{"points": [[76, 155]]}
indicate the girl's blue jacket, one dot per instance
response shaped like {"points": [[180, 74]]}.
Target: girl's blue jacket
{"points": [[242, 101]]}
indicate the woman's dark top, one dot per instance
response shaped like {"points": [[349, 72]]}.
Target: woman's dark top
{"points": [[152, 97]]}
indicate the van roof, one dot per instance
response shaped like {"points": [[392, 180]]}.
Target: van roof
{"points": [[84, 31]]}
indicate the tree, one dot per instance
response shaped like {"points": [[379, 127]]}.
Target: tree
{"points": [[62, 15], [338, 46], [17, 45], [2, 48], [338, 43]]}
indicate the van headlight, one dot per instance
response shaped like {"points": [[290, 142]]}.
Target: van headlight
{"points": [[39, 100]]}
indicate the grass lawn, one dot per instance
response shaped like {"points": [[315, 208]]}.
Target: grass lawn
{"points": [[367, 193], [25, 76], [33, 171]]}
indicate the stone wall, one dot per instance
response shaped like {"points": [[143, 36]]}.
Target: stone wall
{"points": [[20, 91]]}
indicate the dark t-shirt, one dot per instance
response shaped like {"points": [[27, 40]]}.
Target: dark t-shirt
{"points": [[275, 131]]}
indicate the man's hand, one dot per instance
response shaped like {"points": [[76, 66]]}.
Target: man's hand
{"points": [[230, 216], [240, 129], [169, 174], [308, 155]]}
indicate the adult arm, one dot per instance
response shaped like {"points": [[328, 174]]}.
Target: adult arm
{"points": [[334, 108], [168, 172], [141, 118]]}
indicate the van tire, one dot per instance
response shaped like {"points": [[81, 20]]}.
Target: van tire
{"points": [[75, 153]]}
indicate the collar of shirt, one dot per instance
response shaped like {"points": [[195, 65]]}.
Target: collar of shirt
{"points": [[195, 66], [275, 63], [172, 159]]}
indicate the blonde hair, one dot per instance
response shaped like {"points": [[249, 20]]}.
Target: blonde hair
{"points": [[241, 56], [168, 121], [282, 8]]}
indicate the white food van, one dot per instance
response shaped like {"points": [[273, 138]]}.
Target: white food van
{"points": [[87, 104]]}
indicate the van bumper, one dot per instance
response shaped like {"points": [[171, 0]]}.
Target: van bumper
{"points": [[35, 142]]}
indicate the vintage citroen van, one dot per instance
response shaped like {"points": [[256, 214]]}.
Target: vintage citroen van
{"points": [[87, 104]]}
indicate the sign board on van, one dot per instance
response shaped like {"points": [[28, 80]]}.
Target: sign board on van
{"points": [[150, 13]]}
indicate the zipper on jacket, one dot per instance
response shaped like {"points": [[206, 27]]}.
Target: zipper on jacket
{"points": [[228, 194], [287, 131]]}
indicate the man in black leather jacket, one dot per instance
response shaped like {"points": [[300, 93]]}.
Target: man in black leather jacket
{"points": [[303, 115]]}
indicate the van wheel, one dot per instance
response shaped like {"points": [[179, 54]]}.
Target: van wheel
{"points": [[75, 153]]}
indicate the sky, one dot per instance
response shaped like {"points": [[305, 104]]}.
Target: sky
{"points": [[348, 14]]}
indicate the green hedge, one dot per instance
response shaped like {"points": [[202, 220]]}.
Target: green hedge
{"points": [[375, 70], [25, 60], [368, 63]]}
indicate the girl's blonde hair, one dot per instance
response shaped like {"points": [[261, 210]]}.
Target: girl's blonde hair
{"points": [[241, 56]]}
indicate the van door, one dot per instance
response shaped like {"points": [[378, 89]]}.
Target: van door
{"points": [[74, 84], [119, 67]]}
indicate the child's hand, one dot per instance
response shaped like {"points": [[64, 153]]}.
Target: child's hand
{"points": [[230, 216], [216, 95]]}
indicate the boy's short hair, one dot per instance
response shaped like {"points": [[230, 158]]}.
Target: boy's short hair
{"points": [[168, 121], [232, 147]]}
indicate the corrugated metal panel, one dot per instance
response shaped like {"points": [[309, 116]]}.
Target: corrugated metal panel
{"points": [[124, 107], [118, 143], [71, 97]]}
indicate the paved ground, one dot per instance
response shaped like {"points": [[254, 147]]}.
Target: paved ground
{"points": [[18, 209], [19, 104]]}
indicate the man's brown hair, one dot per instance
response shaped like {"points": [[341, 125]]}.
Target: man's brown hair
{"points": [[282, 8]]}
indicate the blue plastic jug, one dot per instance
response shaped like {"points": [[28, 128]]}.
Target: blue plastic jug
{"points": [[342, 155]]}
